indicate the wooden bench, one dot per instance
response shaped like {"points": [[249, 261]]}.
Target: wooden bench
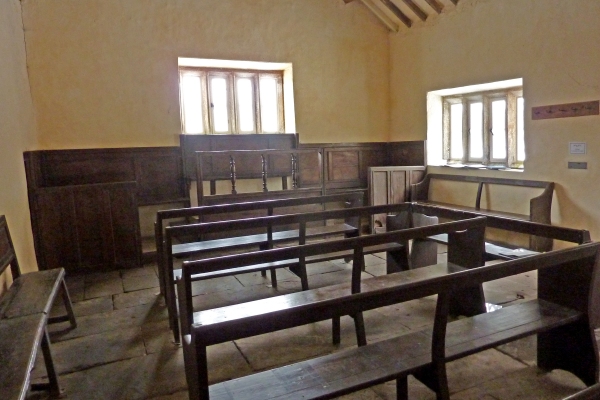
{"points": [[503, 251], [562, 317], [306, 180], [591, 393], [539, 206], [238, 211], [24, 314], [268, 240], [463, 234]]}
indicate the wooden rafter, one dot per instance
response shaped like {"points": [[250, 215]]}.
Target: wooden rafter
{"points": [[437, 6], [397, 12], [379, 13], [415, 8]]}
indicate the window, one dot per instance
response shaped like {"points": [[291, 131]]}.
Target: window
{"points": [[227, 101], [484, 128]]}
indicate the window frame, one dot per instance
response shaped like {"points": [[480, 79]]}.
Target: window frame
{"points": [[511, 96], [232, 75]]}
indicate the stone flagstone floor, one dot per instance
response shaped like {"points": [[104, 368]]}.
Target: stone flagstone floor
{"points": [[122, 347]]}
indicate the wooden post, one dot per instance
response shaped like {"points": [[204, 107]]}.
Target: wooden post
{"points": [[294, 171], [232, 171], [264, 172]]}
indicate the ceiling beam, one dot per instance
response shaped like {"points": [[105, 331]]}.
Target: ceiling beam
{"points": [[415, 8], [397, 12], [392, 26], [437, 6]]}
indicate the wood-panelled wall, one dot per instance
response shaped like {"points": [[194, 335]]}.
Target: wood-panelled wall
{"points": [[84, 203]]}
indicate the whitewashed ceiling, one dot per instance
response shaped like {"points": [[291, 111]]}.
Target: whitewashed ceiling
{"points": [[397, 13]]}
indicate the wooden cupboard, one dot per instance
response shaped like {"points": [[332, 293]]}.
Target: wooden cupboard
{"points": [[389, 185]]}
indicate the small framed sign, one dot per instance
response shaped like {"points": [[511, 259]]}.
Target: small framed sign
{"points": [[577, 147]]}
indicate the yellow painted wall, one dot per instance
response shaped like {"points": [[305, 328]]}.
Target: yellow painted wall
{"points": [[104, 72], [552, 45], [17, 132]]}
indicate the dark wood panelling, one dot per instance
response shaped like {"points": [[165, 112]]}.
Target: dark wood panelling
{"points": [[87, 226], [78, 225], [407, 153], [157, 170], [218, 167]]}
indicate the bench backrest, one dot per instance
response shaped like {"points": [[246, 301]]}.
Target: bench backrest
{"points": [[257, 164], [8, 257], [578, 236], [539, 207], [466, 234], [230, 211]]}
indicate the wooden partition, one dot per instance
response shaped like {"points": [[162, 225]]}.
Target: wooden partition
{"points": [[84, 203]]}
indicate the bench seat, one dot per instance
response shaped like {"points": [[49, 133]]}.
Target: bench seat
{"points": [[480, 211], [186, 249], [291, 263], [19, 340], [493, 250], [24, 314], [31, 293], [351, 370]]}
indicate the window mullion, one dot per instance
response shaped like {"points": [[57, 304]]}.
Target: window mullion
{"points": [[232, 104], [465, 130], [280, 103], [446, 131], [511, 125], [257, 118], [207, 118], [487, 130]]}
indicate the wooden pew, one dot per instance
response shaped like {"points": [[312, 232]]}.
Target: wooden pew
{"points": [[260, 164], [494, 250], [268, 239], [466, 234], [239, 211], [591, 393], [539, 207], [24, 314], [563, 317]]}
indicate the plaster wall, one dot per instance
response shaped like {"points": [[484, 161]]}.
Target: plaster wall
{"points": [[17, 133], [103, 73], [552, 45]]}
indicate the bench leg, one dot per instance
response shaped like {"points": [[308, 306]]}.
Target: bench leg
{"points": [[70, 316], [172, 311], [52, 385], [359, 325], [273, 277], [68, 304], [570, 348], [263, 273], [402, 388], [397, 260], [435, 378], [336, 331], [300, 271]]}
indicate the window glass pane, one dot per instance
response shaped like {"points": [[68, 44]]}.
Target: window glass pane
{"points": [[520, 129], [191, 96], [476, 130], [269, 113], [498, 129], [456, 142], [218, 104], [245, 103]]}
